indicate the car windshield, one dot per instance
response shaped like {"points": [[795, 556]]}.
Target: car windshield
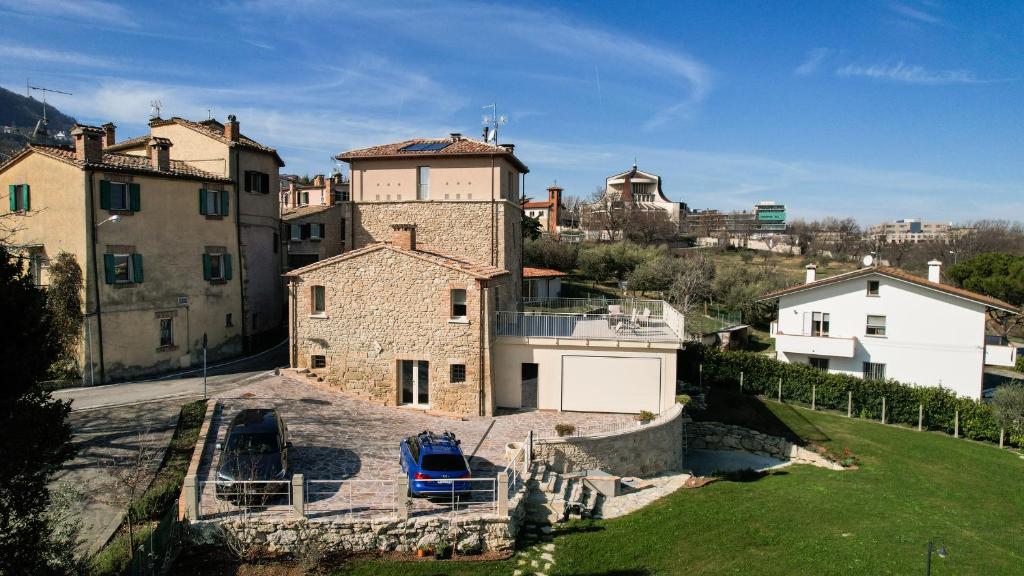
{"points": [[443, 463], [252, 443]]}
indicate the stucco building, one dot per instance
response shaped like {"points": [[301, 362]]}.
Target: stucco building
{"points": [[642, 191], [160, 268], [882, 323], [253, 169], [550, 213]]}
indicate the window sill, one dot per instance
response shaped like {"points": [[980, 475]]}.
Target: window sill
{"points": [[170, 348], [123, 285], [319, 316], [121, 211], [875, 336], [315, 239], [217, 281], [873, 296], [213, 216], [459, 320]]}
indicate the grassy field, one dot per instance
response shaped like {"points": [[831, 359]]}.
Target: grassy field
{"points": [[911, 487]]}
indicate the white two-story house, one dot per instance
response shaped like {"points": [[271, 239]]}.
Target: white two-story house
{"points": [[882, 323]]}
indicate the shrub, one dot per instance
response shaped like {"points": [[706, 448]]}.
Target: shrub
{"points": [[762, 375], [565, 429], [1019, 366], [683, 399], [645, 416]]}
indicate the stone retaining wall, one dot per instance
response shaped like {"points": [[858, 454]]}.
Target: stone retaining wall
{"points": [[644, 451], [470, 533], [719, 436]]}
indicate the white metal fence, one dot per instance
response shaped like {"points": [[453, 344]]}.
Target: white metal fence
{"points": [[348, 497], [230, 497], [643, 326]]}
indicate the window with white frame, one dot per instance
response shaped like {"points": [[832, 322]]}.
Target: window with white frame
{"points": [[874, 371], [458, 308], [423, 183], [123, 267], [216, 266], [875, 326], [818, 363], [819, 323], [318, 300], [873, 286]]}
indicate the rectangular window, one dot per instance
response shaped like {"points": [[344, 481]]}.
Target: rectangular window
{"points": [[873, 287], [458, 373], [423, 183], [295, 232], [510, 185], [458, 296], [818, 363], [819, 324], [19, 197], [123, 268], [213, 202], [316, 231], [876, 326], [318, 301], [874, 371], [318, 361], [166, 332], [119, 198], [339, 196], [305, 199], [216, 267], [257, 182]]}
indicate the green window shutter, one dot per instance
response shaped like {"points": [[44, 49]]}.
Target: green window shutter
{"points": [[108, 267], [134, 191], [27, 205], [224, 199], [305, 231], [105, 194], [202, 201], [137, 265], [248, 181], [264, 183], [227, 266], [206, 266], [12, 192]]}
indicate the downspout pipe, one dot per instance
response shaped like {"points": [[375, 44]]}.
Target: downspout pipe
{"points": [[91, 231]]}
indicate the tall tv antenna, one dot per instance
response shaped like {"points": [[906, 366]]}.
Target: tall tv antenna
{"points": [[42, 122], [491, 123], [154, 109]]}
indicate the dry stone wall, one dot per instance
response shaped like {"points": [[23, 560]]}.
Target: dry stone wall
{"points": [[719, 436], [645, 451]]}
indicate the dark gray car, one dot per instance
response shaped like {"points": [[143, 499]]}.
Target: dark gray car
{"points": [[255, 448]]}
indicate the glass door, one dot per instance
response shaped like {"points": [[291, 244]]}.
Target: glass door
{"points": [[415, 381]]}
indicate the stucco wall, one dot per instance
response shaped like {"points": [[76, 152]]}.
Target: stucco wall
{"points": [[386, 306], [453, 179], [262, 257], [932, 338], [647, 450], [718, 436], [333, 242]]}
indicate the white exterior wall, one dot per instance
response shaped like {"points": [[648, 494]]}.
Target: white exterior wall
{"points": [[511, 353], [932, 338]]}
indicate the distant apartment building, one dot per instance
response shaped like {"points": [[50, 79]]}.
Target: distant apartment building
{"points": [[314, 219], [156, 238], [910, 230], [253, 169], [551, 212], [765, 219]]}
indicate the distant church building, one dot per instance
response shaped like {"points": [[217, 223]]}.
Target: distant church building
{"points": [[643, 191]]}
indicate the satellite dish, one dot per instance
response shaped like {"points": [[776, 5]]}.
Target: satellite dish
{"points": [[868, 260]]}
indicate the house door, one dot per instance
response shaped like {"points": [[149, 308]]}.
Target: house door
{"points": [[529, 390], [415, 375]]}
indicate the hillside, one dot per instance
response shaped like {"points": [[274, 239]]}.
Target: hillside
{"points": [[18, 116]]}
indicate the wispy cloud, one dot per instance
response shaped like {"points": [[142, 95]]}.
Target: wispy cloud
{"points": [[813, 61], [908, 74], [77, 10], [919, 15], [33, 54]]}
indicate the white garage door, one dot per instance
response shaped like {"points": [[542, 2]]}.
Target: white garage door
{"points": [[611, 384]]}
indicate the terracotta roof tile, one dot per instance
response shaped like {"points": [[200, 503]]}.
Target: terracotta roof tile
{"points": [[423, 252], [898, 274], [528, 205], [123, 163], [529, 272], [209, 130], [303, 211], [461, 147]]}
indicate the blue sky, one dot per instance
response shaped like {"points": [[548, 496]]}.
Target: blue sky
{"points": [[875, 110]]}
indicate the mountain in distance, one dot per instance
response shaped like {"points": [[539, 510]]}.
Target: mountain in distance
{"points": [[18, 117]]}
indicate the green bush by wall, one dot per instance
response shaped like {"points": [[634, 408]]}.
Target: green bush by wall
{"points": [[761, 376]]}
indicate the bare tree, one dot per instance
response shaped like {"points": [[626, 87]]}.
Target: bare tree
{"points": [[692, 284], [127, 478]]}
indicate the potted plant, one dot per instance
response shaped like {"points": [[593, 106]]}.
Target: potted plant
{"points": [[645, 416], [422, 550], [442, 550], [565, 429], [683, 399]]}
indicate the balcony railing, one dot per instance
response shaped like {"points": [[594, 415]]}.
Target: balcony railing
{"points": [[632, 320], [812, 344]]}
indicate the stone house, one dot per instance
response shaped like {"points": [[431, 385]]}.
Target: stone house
{"points": [[159, 271], [322, 191], [253, 169], [313, 233], [399, 322]]}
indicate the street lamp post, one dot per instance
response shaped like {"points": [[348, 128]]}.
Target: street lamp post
{"points": [[941, 551]]}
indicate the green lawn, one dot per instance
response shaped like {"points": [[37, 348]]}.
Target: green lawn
{"points": [[911, 486]]}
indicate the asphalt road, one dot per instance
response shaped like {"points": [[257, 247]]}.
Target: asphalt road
{"points": [[113, 422]]}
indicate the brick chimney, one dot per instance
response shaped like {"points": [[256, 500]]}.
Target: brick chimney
{"points": [[811, 273], [160, 153], [935, 271], [404, 236], [555, 198], [231, 131], [109, 134], [318, 180], [88, 143]]}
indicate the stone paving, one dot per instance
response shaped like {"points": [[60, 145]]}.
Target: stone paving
{"points": [[338, 437]]}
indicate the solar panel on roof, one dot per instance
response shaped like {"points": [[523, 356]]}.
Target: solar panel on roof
{"points": [[426, 146]]}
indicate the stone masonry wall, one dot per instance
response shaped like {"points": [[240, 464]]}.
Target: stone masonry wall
{"points": [[647, 450], [383, 307], [719, 436]]}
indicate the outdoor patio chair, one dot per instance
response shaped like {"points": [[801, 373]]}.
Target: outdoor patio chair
{"points": [[632, 324]]}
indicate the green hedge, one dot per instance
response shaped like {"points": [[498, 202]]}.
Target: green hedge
{"points": [[761, 376], [1020, 361]]}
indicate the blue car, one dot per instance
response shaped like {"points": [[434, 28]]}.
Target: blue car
{"points": [[434, 464]]}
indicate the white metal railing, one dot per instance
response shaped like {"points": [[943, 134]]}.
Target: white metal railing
{"points": [[594, 305], [518, 465], [242, 496], [674, 320], [645, 326], [348, 497], [481, 496]]}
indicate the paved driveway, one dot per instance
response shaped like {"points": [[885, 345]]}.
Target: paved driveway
{"points": [[337, 437]]}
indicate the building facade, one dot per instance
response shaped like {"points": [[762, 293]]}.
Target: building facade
{"points": [[910, 230], [550, 213], [642, 191], [254, 170], [160, 268], [882, 323]]}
